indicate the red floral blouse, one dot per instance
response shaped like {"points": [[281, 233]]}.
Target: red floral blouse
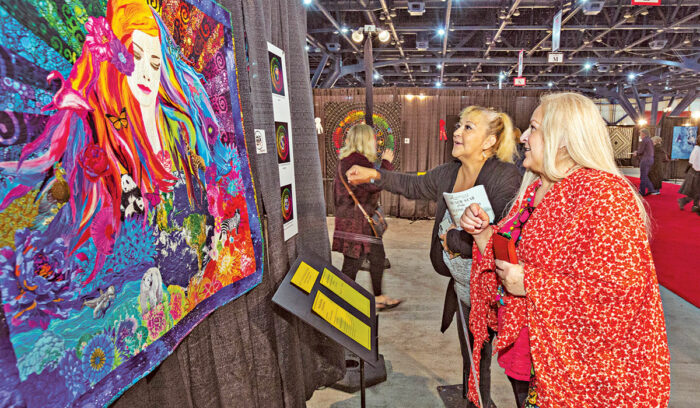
{"points": [[593, 309]]}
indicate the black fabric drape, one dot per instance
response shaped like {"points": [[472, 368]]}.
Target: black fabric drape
{"points": [[251, 353]]}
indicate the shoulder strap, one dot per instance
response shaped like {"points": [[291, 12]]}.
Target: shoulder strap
{"points": [[347, 187]]}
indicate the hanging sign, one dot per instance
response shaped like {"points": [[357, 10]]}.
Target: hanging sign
{"points": [[555, 57], [646, 2], [520, 63], [519, 81], [556, 31]]}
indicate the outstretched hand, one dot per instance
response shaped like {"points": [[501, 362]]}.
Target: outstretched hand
{"points": [[388, 155], [359, 175]]}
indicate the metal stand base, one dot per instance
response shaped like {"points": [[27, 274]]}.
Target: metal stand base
{"points": [[351, 383]]}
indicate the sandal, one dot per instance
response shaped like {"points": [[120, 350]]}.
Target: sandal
{"points": [[383, 306]]}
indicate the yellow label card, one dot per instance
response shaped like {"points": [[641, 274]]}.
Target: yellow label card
{"points": [[305, 277], [345, 291], [342, 320]]}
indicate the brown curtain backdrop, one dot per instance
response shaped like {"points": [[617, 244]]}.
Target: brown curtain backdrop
{"points": [[251, 353], [420, 125]]}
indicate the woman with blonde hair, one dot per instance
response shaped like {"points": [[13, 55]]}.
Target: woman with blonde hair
{"points": [[353, 234], [583, 288], [484, 147]]}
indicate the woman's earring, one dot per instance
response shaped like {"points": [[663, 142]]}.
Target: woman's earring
{"points": [[483, 154]]}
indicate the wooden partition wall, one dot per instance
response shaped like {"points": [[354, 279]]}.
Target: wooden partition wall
{"points": [[420, 118]]}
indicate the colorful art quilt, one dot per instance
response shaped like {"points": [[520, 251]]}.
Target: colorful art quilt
{"points": [[128, 210], [341, 116]]}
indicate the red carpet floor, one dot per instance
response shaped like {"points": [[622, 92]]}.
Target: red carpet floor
{"points": [[675, 243]]}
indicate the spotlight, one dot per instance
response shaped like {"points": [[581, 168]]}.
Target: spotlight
{"points": [[550, 84], [695, 115], [377, 76], [409, 97], [631, 76], [307, 2], [502, 76], [307, 48], [587, 66], [439, 66], [441, 32], [344, 30], [642, 122], [384, 36], [357, 35], [438, 84], [421, 96]]}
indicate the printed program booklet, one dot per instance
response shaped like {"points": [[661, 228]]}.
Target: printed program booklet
{"points": [[458, 202]]}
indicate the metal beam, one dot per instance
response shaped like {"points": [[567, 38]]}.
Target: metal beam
{"points": [[319, 70], [503, 24], [396, 37], [447, 33], [685, 102], [620, 120], [531, 61], [654, 109], [546, 37], [626, 105], [334, 76], [615, 26], [337, 26], [526, 27], [655, 33], [642, 105]]}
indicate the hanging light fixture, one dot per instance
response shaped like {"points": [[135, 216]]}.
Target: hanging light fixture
{"points": [[384, 36], [357, 35]]}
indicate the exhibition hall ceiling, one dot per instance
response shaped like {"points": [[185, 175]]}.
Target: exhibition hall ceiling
{"points": [[476, 43]]}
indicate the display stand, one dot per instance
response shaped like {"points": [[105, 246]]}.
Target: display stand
{"points": [[323, 297]]}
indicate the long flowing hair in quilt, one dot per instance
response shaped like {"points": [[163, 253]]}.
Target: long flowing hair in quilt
{"points": [[100, 91]]}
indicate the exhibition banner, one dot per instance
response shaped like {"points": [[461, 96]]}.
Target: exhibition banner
{"points": [[128, 209]]}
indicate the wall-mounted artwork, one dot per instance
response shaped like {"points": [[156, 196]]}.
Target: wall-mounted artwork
{"points": [[621, 140], [684, 139], [276, 73], [287, 199], [128, 210], [341, 116], [282, 141]]}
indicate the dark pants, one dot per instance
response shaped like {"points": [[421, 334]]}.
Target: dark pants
{"points": [[520, 390], [484, 364], [376, 266], [685, 200], [645, 186]]}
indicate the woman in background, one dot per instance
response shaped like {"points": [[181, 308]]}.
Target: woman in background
{"points": [[484, 148], [353, 234], [691, 185], [656, 174], [584, 288]]}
